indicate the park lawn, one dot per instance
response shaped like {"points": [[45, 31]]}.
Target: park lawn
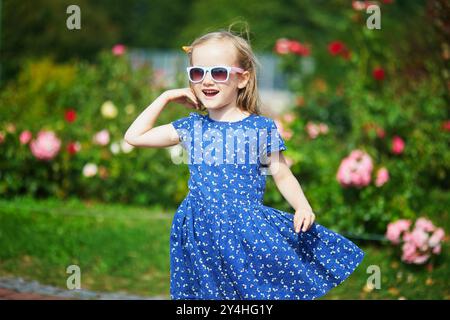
{"points": [[118, 248], [125, 248]]}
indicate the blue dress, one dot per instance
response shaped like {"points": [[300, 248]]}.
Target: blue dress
{"points": [[225, 244]]}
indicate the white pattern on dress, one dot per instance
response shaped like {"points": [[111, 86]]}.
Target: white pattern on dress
{"points": [[226, 244]]}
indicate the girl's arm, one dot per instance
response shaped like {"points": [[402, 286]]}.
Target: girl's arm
{"points": [[141, 133], [291, 190]]}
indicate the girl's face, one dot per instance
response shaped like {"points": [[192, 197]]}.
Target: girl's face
{"points": [[213, 53]]}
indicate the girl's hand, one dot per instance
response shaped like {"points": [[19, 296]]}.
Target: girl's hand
{"points": [[184, 96], [303, 219]]}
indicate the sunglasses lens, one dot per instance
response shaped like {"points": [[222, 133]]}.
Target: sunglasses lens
{"points": [[219, 74], [196, 74]]}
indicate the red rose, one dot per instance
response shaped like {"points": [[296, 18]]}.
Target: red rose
{"points": [[70, 115], [378, 74], [286, 46], [446, 125], [73, 147], [336, 47], [298, 48]]}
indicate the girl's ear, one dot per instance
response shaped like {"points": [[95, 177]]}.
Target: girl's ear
{"points": [[243, 79]]}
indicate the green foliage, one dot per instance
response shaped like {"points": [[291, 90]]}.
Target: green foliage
{"points": [[42, 32], [126, 248], [410, 101], [38, 100]]}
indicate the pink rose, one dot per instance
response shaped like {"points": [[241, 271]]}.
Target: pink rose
{"points": [[395, 229], [118, 49], [437, 249], [312, 129], [289, 117], [101, 137], [282, 46], [362, 5], [25, 137], [409, 252], [420, 259], [355, 170], [45, 146], [398, 145], [436, 237], [407, 237], [420, 243], [285, 134], [382, 177], [358, 5], [285, 46], [420, 239], [425, 224]]}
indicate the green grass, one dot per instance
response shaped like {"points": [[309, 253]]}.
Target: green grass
{"points": [[117, 248], [123, 248], [398, 280]]}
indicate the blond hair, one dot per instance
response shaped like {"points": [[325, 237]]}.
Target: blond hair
{"points": [[248, 97]]}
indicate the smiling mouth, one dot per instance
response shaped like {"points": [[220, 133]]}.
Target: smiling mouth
{"points": [[210, 93]]}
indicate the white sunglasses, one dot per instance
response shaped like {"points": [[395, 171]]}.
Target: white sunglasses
{"points": [[218, 73]]}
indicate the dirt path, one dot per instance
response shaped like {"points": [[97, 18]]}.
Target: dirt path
{"points": [[20, 289]]}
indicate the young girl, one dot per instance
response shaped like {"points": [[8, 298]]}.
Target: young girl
{"points": [[224, 242]]}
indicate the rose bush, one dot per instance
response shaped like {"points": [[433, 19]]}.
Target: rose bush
{"points": [[418, 244], [62, 130]]}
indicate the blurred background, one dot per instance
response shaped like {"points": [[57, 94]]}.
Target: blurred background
{"points": [[364, 113]]}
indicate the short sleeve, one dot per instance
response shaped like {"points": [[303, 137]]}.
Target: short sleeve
{"points": [[274, 140], [184, 127]]}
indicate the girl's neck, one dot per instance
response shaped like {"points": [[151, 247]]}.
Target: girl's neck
{"points": [[228, 113]]}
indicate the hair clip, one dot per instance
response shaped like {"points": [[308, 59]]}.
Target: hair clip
{"points": [[187, 49]]}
